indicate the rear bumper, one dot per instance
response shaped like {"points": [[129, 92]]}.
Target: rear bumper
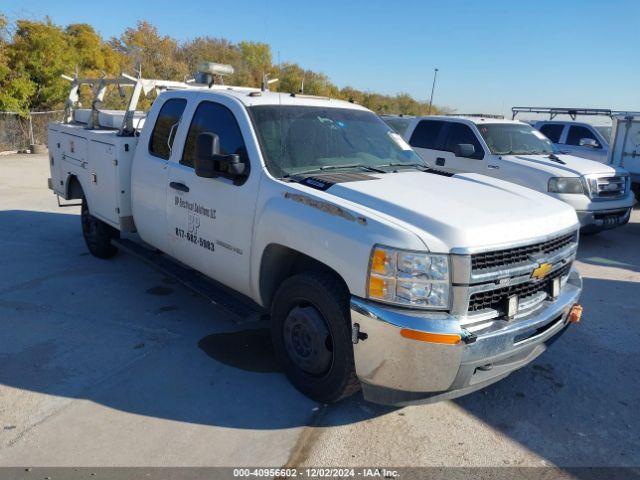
{"points": [[399, 371]]}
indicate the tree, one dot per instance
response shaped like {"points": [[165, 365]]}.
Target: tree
{"points": [[256, 58], [38, 54], [92, 56], [15, 86], [155, 55], [35, 55]]}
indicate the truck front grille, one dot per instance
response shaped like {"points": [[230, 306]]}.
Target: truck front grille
{"points": [[497, 299], [512, 256], [608, 187]]}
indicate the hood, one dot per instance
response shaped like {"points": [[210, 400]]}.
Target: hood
{"points": [[573, 166], [467, 210]]}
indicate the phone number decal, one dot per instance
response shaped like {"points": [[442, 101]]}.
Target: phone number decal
{"points": [[195, 240]]}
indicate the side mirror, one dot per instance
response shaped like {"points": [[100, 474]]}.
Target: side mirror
{"points": [[209, 163], [207, 146], [588, 142], [464, 150]]}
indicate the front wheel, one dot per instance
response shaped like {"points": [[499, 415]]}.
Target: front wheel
{"points": [[97, 234], [311, 333]]}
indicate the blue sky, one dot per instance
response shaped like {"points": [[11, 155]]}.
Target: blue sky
{"points": [[491, 54]]}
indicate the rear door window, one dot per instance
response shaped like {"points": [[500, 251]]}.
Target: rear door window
{"points": [[164, 130], [553, 131], [427, 134], [460, 133], [577, 133]]}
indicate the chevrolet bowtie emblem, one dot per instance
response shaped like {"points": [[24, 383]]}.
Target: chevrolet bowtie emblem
{"points": [[542, 271]]}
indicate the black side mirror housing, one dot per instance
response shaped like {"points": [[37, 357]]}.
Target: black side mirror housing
{"points": [[464, 150], [209, 163]]}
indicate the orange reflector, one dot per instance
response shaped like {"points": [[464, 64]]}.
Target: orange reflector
{"points": [[446, 338], [575, 313], [376, 287], [379, 261]]}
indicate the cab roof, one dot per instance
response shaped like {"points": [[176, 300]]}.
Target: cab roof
{"points": [[254, 96]]}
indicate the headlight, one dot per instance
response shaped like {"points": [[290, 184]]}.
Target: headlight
{"points": [[566, 185], [412, 279]]}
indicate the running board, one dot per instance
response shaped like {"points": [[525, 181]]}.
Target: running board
{"points": [[243, 309]]}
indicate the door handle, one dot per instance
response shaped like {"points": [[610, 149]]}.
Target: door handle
{"points": [[179, 186], [493, 167], [440, 161]]}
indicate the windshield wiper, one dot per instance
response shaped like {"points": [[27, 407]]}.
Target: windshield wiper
{"points": [[421, 166], [334, 167]]}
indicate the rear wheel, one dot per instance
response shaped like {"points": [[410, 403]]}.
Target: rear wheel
{"points": [[311, 333], [97, 234]]}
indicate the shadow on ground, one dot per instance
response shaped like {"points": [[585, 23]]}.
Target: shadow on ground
{"points": [[119, 334]]}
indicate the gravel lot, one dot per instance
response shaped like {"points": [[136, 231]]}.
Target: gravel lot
{"points": [[109, 363]]}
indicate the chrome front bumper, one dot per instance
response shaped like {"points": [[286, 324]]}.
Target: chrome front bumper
{"points": [[395, 370]]}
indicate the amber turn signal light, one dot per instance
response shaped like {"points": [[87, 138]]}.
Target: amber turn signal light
{"points": [[446, 338], [575, 314]]}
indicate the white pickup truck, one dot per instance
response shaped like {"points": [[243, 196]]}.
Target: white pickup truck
{"points": [[376, 270], [514, 151]]}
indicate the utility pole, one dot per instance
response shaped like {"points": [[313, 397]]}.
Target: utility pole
{"points": [[433, 87]]}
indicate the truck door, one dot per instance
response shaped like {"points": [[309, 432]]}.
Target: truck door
{"points": [[454, 158], [575, 134], [426, 139], [149, 174], [211, 219]]}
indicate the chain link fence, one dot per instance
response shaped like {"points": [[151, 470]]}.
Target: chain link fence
{"points": [[18, 132]]}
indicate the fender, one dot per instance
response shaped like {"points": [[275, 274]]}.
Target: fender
{"points": [[339, 237]]}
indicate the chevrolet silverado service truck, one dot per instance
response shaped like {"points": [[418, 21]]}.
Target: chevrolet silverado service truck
{"points": [[376, 270], [516, 152]]}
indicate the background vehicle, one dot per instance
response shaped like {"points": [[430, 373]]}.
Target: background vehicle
{"points": [[516, 152], [305, 208], [572, 137], [625, 146]]}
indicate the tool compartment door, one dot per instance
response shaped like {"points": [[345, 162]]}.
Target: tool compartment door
{"points": [[102, 184]]}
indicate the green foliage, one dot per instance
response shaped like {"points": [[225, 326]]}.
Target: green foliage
{"points": [[145, 49], [34, 54]]}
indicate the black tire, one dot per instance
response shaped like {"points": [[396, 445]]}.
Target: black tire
{"points": [[97, 234], [301, 303]]}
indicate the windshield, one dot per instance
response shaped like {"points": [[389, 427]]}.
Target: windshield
{"points": [[605, 131], [296, 139], [515, 139]]}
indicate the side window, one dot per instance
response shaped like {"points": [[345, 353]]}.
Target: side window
{"points": [[165, 128], [553, 131], [426, 134], [577, 132], [214, 118], [461, 133]]}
